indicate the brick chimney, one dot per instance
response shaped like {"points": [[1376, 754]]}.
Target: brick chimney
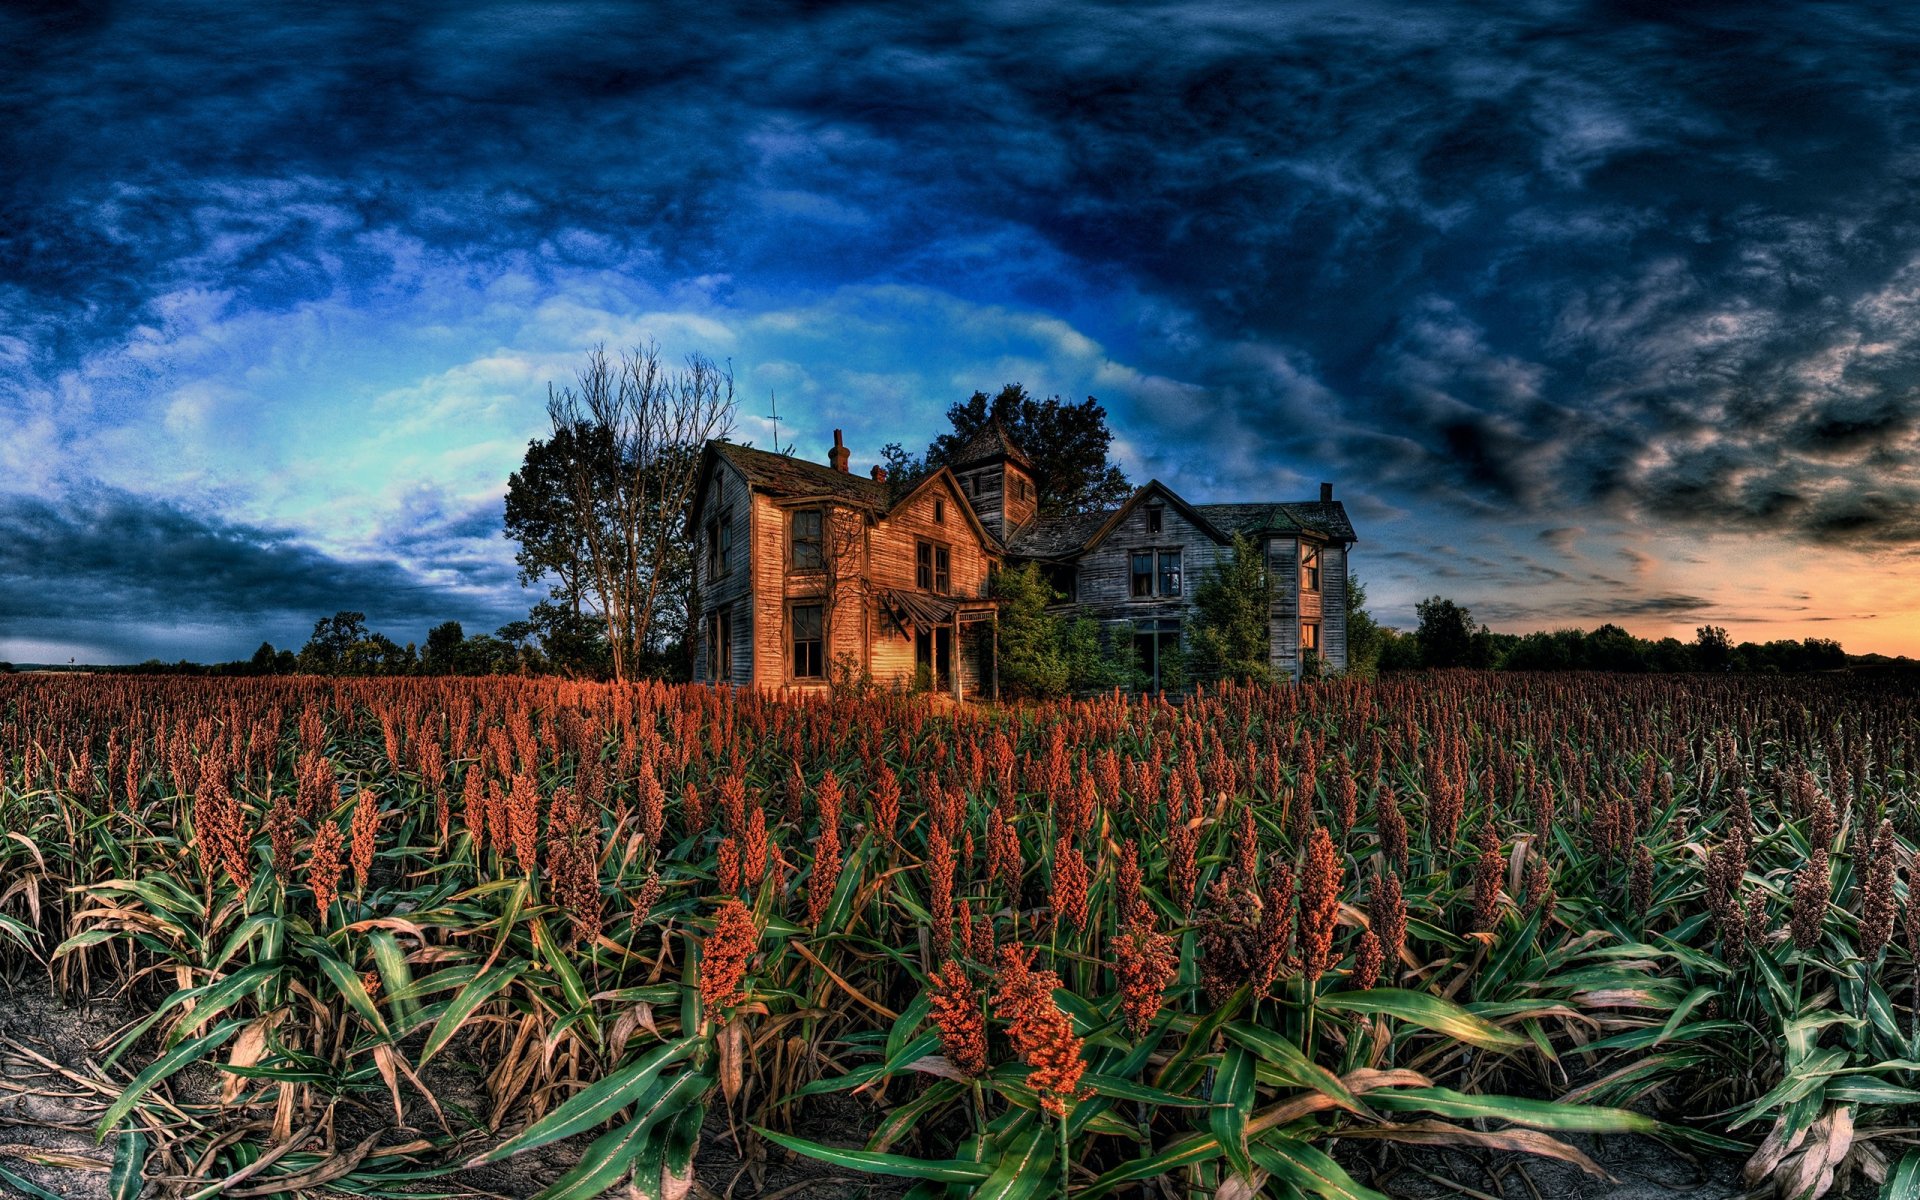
{"points": [[879, 473], [1326, 493], [837, 457]]}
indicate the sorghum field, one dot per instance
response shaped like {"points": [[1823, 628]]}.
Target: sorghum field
{"points": [[1112, 948]]}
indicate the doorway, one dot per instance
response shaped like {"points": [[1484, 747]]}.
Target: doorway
{"points": [[933, 652]]}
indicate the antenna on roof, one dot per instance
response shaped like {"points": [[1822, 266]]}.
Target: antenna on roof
{"points": [[773, 402]]}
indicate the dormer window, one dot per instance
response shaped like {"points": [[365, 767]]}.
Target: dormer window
{"points": [[1154, 513]]}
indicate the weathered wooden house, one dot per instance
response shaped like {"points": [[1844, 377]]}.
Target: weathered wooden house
{"points": [[807, 572]]}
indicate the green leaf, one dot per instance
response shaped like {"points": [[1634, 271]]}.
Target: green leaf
{"points": [[1903, 1182], [1186, 1152], [27, 1188], [950, 1170], [1025, 1170], [1307, 1168], [1428, 1012], [346, 981], [1535, 1114], [1293, 1065], [162, 1067], [594, 1105], [463, 1005], [129, 1160], [1233, 1104], [612, 1152], [1695, 998], [1125, 1089]]}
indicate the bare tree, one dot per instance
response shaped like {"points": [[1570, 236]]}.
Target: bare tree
{"points": [[632, 508], [843, 562]]}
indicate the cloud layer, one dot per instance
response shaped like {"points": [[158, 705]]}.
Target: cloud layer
{"points": [[1588, 309]]}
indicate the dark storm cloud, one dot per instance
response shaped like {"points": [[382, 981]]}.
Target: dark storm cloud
{"points": [[1500, 262], [104, 567]]}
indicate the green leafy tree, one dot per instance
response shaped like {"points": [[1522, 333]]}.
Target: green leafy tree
{"points": [[1096, 662], [1068, 443], [1366, 637], [335, 647], [1712, 648], [445, 643], [1233, 637], [1032, 662], [1446, 633]]}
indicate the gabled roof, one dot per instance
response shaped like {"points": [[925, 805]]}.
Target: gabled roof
{"points": [[1153, 487], [1328, 518], [785, 475], [944, 478], [991, 443], [1064, 537]]}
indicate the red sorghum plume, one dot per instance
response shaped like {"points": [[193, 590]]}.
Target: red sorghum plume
{"points": [[523, 821], [1877, 904], [1127, 880], [1640, 882], [282, 832], [1041, 1034], [886, 804], [1366, 962], [1234, 938], [1392, 825], [1319, 904], [1487, 870], [956, 1011], [366, 824], [221, 823], [826, 848], [1070, 881], [756, 853], [729, 869], [723, 958], [1276, 930], [473, 808], [1246, 850], [1147, 966], [940, 866], [982, 947], [1812, 888], [324, 867], [1387, 916], [573, 864], [1183, 873], [1539, 886], [648, 896]]}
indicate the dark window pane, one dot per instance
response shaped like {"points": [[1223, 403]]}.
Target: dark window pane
{"points": [[1169, 572], [1143, 574], [806, 540], [1153, 520], [923, 565]]}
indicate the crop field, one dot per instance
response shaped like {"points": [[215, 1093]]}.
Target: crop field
{"points": [[379, 937]]}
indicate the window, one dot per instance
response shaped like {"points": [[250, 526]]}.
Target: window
{"points": [[809, 661], [1142, 573], [1155, 572], [939, 512], [1310, 636], [720, 544], [1156, 649], [1310, 568], [932, 568], [1153, 518], [806, 540], [719, 646]]}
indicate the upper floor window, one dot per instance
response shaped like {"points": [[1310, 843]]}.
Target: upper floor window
{"points": [[1310, 636], [720, 544], [1153, 518], [1310, 569], [1169, 572], [939, 511], [806, 539], [808, 624], [932, 568], [1154, 573]]}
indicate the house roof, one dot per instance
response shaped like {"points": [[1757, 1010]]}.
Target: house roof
{"points": [[1055, 537], [1063, 537], [1325, 517], [992, 442], [785, 475]]}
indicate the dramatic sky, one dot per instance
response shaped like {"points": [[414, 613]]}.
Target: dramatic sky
{"points": [[1589, 312]]}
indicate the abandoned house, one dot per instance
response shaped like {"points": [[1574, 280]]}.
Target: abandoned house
{"points": [[807, 572]]}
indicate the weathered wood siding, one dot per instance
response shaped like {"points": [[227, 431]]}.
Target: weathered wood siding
{"points": [[1105, 574], [1333, 605], [995, 490], [893, 565], [1283, 564], [732, 592]]}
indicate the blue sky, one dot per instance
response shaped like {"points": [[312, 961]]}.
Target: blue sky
{"points": [[1590, 312]]}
